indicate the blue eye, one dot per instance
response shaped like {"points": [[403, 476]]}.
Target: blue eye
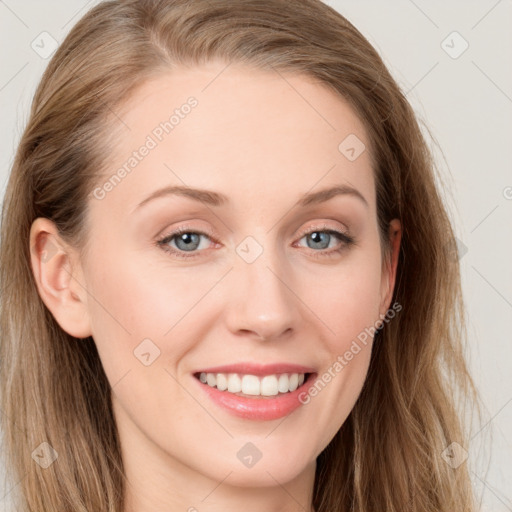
{"points": [[321, 239], [188, 241], [185, 239]]}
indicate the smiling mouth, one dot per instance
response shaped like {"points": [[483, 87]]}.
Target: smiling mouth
{"points": [[253, 386]]}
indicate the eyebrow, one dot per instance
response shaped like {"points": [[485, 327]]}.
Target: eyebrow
{"points": [[212, 198]]}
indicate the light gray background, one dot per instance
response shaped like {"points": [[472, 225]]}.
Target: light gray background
{"points": [[466, 103]]}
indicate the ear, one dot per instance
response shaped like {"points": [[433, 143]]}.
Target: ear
{"points": [[389, 266], [58, 277]]}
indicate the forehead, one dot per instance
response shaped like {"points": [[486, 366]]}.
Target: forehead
{"points": [[247, 132]]}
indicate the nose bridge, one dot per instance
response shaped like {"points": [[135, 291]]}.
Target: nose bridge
{"points": [[261, 301]]}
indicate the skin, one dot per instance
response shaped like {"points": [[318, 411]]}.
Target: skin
{"points": [[263, 141]]}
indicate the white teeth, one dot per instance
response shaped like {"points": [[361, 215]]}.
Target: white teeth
{"points": [[283, 383], [269, 385], [234, 383], [250, 385], [211, 380], [222, 382], [294, 381]]}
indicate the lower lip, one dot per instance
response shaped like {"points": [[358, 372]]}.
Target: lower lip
{"points": [[258, 408]]}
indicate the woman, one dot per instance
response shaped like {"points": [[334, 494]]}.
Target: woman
{"points": [[228, 275]]}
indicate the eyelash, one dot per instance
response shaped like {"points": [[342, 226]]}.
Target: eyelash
{"points": [[345, 238]]}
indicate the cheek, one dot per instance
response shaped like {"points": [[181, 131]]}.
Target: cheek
{"points": [[348, 306], [349, 300], [130, 301], [131, 295]]}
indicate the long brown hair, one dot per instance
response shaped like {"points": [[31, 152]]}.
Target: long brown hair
{"points": [[388, 453]]}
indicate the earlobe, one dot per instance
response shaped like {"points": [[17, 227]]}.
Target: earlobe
{"points": [[389, 270], [55, 268]]}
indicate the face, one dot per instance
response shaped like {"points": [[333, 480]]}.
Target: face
{"points": [[255, 277]]}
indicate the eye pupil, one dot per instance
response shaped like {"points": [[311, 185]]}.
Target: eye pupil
{"points": [[316, 237], [188, 239]]}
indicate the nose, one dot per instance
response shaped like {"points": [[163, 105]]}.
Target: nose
{"points": [[261, 300]]}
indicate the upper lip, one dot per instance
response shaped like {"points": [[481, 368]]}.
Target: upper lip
{"points": [[247, 368]]}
